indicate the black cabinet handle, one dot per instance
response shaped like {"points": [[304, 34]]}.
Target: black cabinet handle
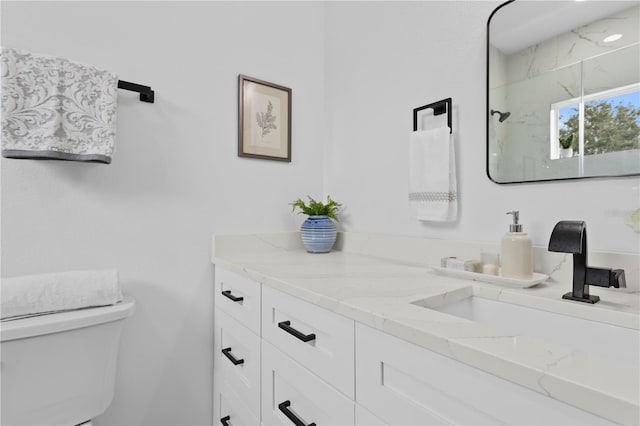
{"points": [[284, 407], [227, 293], [286, 326], [227, 352], [225, 420]]}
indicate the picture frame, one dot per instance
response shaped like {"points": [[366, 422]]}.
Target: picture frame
{"points": [[264, 120]]}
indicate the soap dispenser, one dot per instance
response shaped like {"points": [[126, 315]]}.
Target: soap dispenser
{"points": [[517, 251]]}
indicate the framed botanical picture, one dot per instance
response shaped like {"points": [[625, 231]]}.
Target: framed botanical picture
{"points": [[264, 120]]}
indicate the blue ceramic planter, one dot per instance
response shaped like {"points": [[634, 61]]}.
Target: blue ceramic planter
{"points": [[318, 234]]}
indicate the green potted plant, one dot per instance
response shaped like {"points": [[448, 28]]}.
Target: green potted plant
{"points": [[566, 145], [318, 230]]}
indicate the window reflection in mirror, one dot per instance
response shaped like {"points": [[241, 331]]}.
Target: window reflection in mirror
{"points": [[571, 90], [599, 123]]}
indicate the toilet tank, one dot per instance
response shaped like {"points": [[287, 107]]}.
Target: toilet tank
{"points": [[59, 369]]}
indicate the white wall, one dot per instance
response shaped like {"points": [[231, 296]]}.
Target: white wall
{"points": [[403, 55], [175, 177]]}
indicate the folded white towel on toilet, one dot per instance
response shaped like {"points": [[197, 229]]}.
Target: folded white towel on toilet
{"points": [[433, 194], [30, 295]]}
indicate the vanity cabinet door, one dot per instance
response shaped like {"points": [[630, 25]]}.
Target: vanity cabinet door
{"points": [[320, 340], [292, 395], [364, 417], [239, 297], [404, 384], [237, 359], [230, 410]]}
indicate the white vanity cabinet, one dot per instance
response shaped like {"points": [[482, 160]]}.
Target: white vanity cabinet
{"points": [[404, 384], [237, 352], [320, 340], [280, 360], [293, 395], [236, 412], [239, 297], [364, 417], [237, 361]]}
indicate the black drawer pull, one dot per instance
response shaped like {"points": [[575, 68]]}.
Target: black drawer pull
{"points": [[227, 293], [225, 420], [286, 326], [284, 407], [227, 352]]}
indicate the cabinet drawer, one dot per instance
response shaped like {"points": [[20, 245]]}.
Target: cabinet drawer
{"points": [[239, 297], [237, 359], [365, 418], [404, 384], [231, 411], [287, 322], [290, 391]]}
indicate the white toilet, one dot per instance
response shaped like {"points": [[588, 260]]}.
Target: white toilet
{"points": [[59, 369]]}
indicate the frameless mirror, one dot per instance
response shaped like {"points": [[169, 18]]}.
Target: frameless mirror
{"points": [[563, 90]]}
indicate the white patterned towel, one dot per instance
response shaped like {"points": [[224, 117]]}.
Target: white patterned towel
{"points": [[55, 108], [433, 192]]}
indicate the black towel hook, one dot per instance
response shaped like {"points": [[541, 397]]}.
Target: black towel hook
{"points": [[439, 108]]}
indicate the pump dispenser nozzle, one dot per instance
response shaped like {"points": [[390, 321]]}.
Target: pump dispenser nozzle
{"points": [[515, 226]]}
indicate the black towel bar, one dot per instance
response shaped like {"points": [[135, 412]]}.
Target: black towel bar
{"points": [[146, 94], [439, 108]]}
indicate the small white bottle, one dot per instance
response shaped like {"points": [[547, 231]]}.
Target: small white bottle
{"points": [[517, 251]]}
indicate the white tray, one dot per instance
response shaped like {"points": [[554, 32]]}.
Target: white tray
{"points": [[494, 279]]}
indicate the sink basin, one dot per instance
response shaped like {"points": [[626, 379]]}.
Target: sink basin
{"points": [[611, 342]]}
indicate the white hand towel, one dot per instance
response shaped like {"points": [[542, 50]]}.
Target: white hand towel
{"points": [[433, 192], [29, 295], [55, 108]]}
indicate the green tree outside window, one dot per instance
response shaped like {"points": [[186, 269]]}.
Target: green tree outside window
{"points": [[607, 128]]}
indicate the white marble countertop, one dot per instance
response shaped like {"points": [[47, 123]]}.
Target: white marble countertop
{"points": [[382, 293]]}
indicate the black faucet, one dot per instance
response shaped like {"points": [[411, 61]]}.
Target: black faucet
{"points": [[570, 236]]}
